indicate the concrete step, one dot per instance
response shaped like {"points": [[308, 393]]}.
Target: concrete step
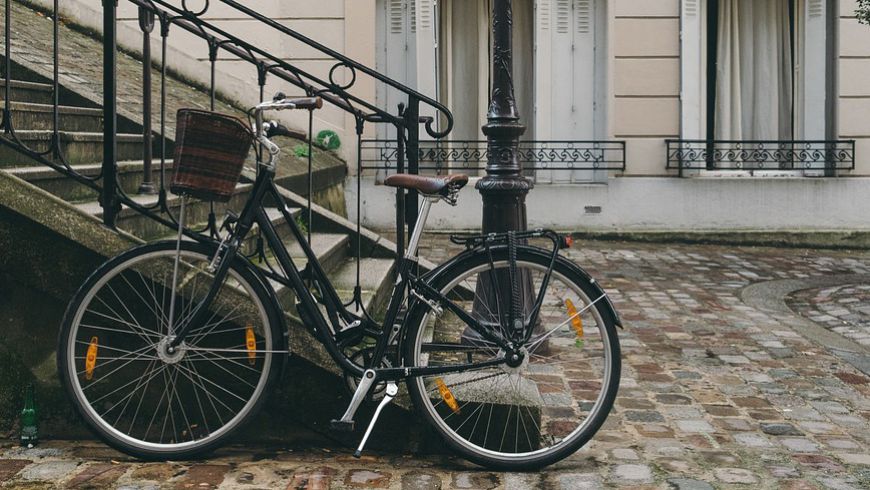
{"points": [[148, 229], [330, 249], [37, 93], [76, 147], [376, 282], [130, 175], [29, 116]]}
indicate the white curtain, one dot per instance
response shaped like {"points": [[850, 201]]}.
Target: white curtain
{"points": [[754, 88], [465, 63]]}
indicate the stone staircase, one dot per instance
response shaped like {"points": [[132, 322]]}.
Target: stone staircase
{"points": [[81, 142], [50, 226]]}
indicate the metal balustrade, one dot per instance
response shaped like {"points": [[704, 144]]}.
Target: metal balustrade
{"points": [[829, 157], [543, 161]]}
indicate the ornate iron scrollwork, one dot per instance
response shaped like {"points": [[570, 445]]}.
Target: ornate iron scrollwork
{"points": [[784, 155], [472, 155]]}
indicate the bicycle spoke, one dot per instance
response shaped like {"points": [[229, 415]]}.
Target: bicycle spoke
{"points": [[144, 379], [117, 330], [124, 305], [199, 404], [125, 357], [138, 406], [211, 398]]}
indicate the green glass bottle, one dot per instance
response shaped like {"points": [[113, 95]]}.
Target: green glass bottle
{"points": [[29, 419]]}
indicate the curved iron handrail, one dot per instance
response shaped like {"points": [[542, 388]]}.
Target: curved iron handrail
{"points": [[332, 91]]}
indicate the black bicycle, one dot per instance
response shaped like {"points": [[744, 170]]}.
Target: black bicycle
{"points": [[509, 350]]}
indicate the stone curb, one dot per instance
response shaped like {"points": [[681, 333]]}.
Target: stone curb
{"points": [[770, 297]]}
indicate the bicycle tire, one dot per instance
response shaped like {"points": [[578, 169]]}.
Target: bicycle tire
{"points": [[425, 396], [263, 324]]}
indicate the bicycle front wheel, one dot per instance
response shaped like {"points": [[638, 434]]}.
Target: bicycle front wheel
{"points": [[541, 410], [146, 399]]}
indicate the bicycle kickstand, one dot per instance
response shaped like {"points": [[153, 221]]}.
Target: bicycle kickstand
{"points": [[391, 392]]}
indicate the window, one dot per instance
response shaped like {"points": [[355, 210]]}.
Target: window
{"points": [[758, 71], [443, 49], [757, 87]]}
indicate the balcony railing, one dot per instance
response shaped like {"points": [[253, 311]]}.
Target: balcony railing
{"points": [[545, 161], [829, 157]]}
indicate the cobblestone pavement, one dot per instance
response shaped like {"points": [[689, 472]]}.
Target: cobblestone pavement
{"points": [[715, 394], [843, 309]]}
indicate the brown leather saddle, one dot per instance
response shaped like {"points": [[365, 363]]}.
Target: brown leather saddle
{"points": [[430, 186]]}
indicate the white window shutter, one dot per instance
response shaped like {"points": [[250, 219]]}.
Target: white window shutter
{"points": [[425, 28], [583, 75], [693, 75], [811, 107], [543, 68], [565, 74], [396, 57]]}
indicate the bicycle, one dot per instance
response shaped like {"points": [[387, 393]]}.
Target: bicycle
{"points": [[509, 350]]}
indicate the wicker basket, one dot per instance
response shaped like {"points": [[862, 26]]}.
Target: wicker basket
{"points": [[210, 152]]}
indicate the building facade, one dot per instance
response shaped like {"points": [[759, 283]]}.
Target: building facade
{"points": [[726, 115]]}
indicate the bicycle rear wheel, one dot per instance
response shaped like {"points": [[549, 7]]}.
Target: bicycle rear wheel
{"points": [[137, 394], [545, 408]]}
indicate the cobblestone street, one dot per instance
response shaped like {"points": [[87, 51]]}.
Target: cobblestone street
{"points": [[741, 367]]}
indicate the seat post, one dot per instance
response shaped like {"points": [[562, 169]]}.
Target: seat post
{"points": [[418, 228]]}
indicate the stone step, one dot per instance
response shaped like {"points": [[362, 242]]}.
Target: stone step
{"points": [[37, 93], [376, 282], [29, 116], [148, 229], [330, 249], [76, 147], [130, 175]]}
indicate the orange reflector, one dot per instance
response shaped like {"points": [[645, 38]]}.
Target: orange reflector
{"points": [[91, 358], [446, 395], [576, 321], [251, 344]]}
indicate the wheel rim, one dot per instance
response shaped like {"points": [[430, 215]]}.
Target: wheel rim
{"points": [[141, 394], [545, 390]]}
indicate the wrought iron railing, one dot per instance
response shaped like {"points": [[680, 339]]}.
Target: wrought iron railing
{"points": [[167, 17], [544, 161], [829, 157]]}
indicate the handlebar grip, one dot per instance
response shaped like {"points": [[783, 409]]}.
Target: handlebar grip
{"points": [[307, 102], [275, 129]]}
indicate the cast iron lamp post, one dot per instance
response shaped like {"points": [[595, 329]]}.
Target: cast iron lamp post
{"points": [[503, 188]]}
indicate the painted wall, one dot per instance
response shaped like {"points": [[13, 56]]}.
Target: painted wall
{"points": [[645, 55], [644, 106], [854, 79], [655, 204]]}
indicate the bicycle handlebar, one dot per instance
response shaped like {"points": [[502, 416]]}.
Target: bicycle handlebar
{"points": [[282, 103]]}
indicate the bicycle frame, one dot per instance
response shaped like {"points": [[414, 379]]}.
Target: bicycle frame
{"points": [[336, 312]]}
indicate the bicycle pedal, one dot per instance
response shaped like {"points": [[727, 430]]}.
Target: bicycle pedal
{"points": [[341, 425]]}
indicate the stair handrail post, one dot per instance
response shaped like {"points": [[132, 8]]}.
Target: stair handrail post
{"points": [[400, 193], [6, 120], [146, 24], [504, 187], [412, 125], [109, 194]]}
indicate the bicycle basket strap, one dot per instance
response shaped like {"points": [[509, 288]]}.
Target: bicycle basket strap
{"points": [[210, 152]]}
